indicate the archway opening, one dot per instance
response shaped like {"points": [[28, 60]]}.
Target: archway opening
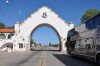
{"points": [[8, 47], [10, 35], [45, 36]]}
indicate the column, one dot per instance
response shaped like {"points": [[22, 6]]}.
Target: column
{"points": [[63, 44], [6, 34]]}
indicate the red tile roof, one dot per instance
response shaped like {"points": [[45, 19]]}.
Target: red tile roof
{"points": [[6, 30]]}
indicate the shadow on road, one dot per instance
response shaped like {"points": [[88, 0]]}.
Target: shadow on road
{"points": [[70, 61], [20, 62], [43, 50]]}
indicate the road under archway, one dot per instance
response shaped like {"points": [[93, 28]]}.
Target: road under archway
{"points": [[53, 31]]}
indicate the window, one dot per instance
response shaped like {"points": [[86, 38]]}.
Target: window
{"points": [[20, 45], [98, 30], [98, 40], [69, 33], [90, 24], [77, 44], [97, 21], [10, 35]]}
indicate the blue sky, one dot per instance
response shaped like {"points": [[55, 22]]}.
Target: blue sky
{"points": [[69, 10]]}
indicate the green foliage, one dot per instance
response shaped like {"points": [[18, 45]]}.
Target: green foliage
{"points": [[89, 13], [10, 27], [56, 45], [40, 44], [32, 41], [53, 45], [2, 25]]}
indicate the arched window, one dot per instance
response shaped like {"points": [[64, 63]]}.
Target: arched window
{"points": [[10, 35]]}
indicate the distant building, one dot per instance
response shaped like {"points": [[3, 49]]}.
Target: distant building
{"points": [[5, 39]]}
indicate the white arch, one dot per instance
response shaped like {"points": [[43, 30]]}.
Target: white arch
{"points": [[4, 43], [50, 26], [44, 16]]}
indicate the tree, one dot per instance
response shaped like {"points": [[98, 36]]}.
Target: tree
{"points": [[32, 42], [50, 44], [40, 44], [10, 27], [55, 45], [2, 25], [89, 13]]}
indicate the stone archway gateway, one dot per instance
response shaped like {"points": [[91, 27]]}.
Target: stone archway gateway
{"points": [[42, 17]]}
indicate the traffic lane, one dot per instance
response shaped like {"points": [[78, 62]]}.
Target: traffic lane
{"points": [[51, 60], [8, 58], [44, 58], [32, 60], [71, 61], [29, 61], [18, 59]]}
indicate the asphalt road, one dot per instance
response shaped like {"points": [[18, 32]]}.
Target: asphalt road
{"points": [[45, 56]]}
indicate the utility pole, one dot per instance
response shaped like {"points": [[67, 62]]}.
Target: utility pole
{"points": [[19, 13]]}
